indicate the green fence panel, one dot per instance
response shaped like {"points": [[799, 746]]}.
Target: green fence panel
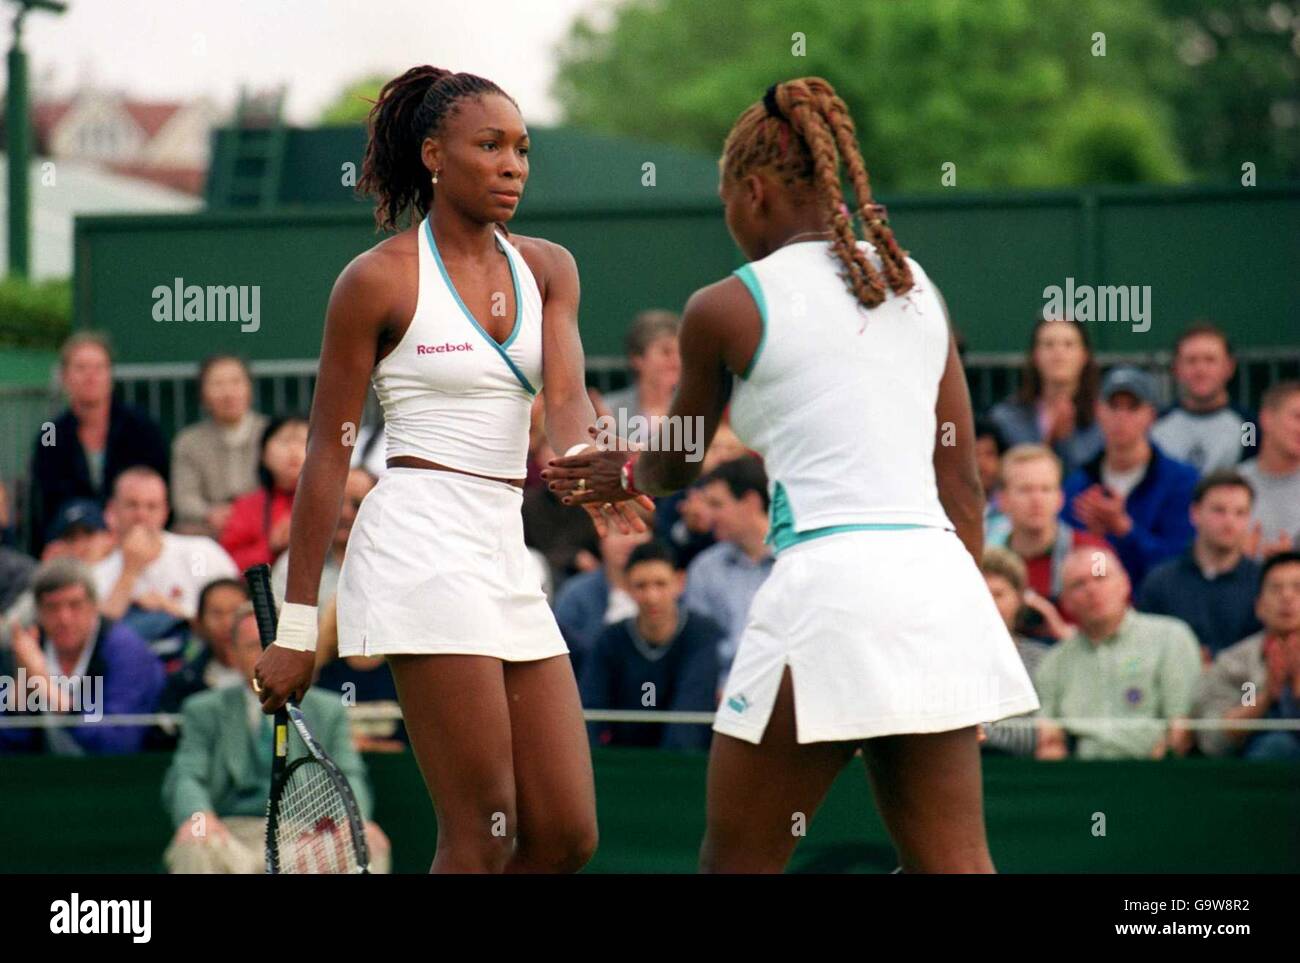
{"points": [[1232, 257], [1178, 816], [990, 258], [1219, 253]]}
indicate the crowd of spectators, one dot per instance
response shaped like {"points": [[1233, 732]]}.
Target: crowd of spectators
{"points": [[1145, 563], [1158, 554]]}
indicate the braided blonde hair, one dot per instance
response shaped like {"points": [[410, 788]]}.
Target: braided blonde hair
{"points": [[823, 137]]}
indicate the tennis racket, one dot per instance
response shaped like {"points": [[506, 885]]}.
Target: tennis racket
{"points": [[313, 823]]}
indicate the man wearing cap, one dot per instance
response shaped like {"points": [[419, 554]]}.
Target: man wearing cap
{"points": [[1133, 494], [78, 531]]}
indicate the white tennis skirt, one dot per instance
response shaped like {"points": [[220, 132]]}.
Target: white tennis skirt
{"points": [[436, 563], [885, 632]]}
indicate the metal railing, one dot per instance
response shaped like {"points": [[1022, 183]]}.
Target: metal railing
{"points": [[391, 713], [169, 393], [993, 376]]}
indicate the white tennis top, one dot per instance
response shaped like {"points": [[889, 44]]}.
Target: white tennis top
{"points": [[838, 399], [449, 392]]}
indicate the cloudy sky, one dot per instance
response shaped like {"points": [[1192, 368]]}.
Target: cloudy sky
{"points": [[177, 49]]}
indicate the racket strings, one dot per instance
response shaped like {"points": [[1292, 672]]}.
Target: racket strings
{"points": [[313, 834]]}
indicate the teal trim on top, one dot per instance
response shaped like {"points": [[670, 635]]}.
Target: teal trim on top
{"points": [[750, 280], [781, 534], [780, 519], [519, 306]]}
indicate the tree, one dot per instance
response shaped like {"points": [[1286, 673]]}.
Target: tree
{"points": [[1013, 92], [1237, 98], [352, 105]]}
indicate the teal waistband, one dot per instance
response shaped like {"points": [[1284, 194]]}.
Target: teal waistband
{"points": [[781, 533], [786, 537]]}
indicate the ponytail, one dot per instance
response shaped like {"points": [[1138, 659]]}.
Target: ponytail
{"points": [[410, 108]]}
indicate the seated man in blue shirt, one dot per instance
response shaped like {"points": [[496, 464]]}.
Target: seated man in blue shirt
{"points": [[589, 601], [1132, 494], [722, 580], [663, 658], [1212, 586], [77, 662]]}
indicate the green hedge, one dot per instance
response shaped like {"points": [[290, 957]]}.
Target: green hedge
{"points": [[35, 315]]}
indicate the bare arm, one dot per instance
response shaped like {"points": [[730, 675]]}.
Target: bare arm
{"points": [[570, 417], [353, 323], [955, 471], [140, 549], [721, 329], [567, 407], [118, 599]]}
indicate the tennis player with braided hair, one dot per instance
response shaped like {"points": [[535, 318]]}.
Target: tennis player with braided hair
{"points": [[875, 628], [457, 324]]}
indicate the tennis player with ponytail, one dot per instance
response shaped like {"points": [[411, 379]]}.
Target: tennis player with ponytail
{"points": [[458, 324], [875, 628]]}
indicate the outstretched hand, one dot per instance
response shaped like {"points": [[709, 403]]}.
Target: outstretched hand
{"points": [[621, 514], [592, 479]]}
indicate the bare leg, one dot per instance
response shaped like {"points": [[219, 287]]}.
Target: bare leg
{"points": [[459, 726], [555, 789], [756, 794], [930, 796]]}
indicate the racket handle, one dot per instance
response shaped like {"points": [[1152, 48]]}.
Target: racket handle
{"points": [[259, 592]]}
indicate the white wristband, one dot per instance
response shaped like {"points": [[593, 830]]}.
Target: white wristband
{"points": [[579, 447], [297, 627]]}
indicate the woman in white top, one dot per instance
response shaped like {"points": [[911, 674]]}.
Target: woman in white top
{"points": [[457, 325], [875, 629]]}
